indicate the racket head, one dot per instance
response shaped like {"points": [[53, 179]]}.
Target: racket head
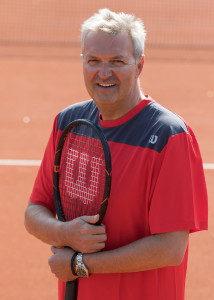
{"points": [[82, 171]]}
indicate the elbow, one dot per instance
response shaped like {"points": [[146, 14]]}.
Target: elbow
{"points": [[28, 218], [177, 255], [171, 258], [177, 258], [175, 248], [26, 221]]}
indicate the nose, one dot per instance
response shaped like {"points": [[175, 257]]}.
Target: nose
{"points": [[105, 71]]}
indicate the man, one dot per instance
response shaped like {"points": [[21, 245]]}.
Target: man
{"points": [[158, 193]]}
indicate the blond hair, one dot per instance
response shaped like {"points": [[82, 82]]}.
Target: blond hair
{"points": [[114, 23]]}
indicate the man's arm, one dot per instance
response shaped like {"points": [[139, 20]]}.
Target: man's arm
{"points": [[80, 234], [152, 252]]}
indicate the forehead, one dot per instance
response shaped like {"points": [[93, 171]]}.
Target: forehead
{"points": [[105, 44]]}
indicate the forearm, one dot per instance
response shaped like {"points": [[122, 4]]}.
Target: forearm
{"points": [[79, 234], [156, 251], [42, 223]]}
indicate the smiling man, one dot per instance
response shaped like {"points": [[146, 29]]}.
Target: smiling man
{"points": [[111, 73], [158, 193]]}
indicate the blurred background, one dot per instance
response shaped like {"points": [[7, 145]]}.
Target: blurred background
{"points": [[41, 73]]}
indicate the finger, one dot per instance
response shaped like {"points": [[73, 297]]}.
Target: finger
{"points": [[98, 238], [97, 230], [90, 219], [53, 249], [94, 248], [49, 260]]}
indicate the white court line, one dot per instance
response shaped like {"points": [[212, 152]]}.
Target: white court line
{"points": [[32, 163], [20, 162], [208, 166]]}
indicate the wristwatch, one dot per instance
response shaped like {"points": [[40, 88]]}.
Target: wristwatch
{"points": [[80, 268]]}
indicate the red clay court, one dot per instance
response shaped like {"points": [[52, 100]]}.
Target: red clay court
{"points": [[40, 74]]}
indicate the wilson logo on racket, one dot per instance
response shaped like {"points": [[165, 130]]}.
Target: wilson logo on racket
{"points": [[85, 171], [56, 168], [109, 174], [106, 199]]}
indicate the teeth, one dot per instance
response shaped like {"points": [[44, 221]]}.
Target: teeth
{"points": [[105, 85]]}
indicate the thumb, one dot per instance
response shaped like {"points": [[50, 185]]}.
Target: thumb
{"points": [[90, 219], [54, 249]]}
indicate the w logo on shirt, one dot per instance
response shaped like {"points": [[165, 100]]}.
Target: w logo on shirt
{"points": [[153, 139]]}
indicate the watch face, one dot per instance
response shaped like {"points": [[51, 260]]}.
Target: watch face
{"points": [[81, 269], [82, 272]]}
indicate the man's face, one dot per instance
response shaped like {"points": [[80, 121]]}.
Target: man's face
{"points": [[109, 68]]}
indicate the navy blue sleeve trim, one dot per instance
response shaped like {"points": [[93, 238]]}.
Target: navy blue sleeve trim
{"points": [[150, 128], [80, 110]]}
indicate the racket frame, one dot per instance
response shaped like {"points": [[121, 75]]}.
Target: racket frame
{"points": [[56, 171]]}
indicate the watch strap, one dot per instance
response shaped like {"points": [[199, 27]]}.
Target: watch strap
{"points": [[72, 263]]}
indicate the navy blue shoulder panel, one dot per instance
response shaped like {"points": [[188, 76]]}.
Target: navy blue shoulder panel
{"points": [[80, 110], [150, 128]]}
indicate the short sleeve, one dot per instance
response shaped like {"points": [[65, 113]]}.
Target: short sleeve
{"points": [[179, 197], [42, 192]]}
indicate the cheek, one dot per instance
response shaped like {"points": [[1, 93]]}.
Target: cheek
{"points": [[87, 77], [89, 72], [127, 79], [85, 74]]}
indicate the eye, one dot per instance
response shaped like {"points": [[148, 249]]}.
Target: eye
{"points": [[118, 63], [93, 61]]}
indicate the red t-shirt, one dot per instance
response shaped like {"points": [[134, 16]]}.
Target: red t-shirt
{"points": [[157, 186]]}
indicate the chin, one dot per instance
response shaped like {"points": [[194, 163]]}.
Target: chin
{"points": [[104, 101]]}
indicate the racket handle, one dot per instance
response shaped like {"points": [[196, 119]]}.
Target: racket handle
{"points": [[71, 290]]}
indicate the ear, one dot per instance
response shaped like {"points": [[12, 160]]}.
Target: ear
{"points": [[139, 65]]}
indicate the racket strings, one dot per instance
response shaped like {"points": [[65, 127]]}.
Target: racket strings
{"points": [[82, 175]]}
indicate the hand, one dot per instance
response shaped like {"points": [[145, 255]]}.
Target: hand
{"points": [[83, 236], [60, 263]]}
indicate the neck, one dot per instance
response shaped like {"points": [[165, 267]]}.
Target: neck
{"points": [[110, 112]]}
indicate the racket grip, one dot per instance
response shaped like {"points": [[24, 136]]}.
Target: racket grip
{"points": [[71, 290]]}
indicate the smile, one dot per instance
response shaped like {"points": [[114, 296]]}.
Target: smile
{"points": [[106, 84]]}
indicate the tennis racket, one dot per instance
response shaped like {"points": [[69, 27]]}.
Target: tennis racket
{"points": [[81, 177]]}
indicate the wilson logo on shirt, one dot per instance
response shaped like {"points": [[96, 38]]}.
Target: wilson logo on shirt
{"points": [[153, 139]]}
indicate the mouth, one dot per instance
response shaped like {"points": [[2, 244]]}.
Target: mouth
{"points": [[106, 85]]}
